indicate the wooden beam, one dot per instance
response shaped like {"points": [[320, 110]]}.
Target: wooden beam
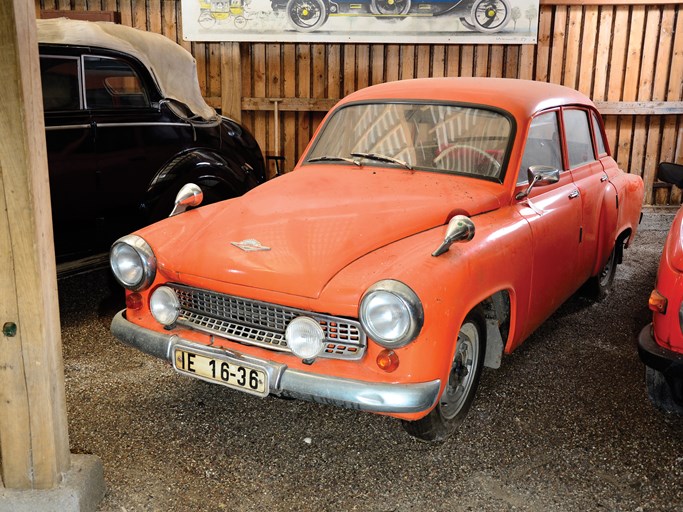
{"points": [[34, 442], [609, 2], [629, 108], [231, 81], [289, 104], [640, 108]]}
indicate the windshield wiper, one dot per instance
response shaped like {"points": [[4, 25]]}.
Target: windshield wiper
{"points": [[327, 158], [383, 158]]}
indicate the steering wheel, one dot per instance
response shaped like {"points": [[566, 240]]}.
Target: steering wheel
{"points": [[494, 164]]}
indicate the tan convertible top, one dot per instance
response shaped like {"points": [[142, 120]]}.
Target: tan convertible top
{"points": [[174, 68]]}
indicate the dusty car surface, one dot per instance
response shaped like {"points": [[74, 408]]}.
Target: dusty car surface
{"points": [[428, 229], [126, 127], [660, 343]]}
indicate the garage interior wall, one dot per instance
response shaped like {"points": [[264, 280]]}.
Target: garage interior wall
{"points": [[628, 57]]}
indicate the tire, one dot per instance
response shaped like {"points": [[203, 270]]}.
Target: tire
{"points": [[489, 16], [307, 15], [599, 286], [463, 379], [390, 9], [665, 395]]}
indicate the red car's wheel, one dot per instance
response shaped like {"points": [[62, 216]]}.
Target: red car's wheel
{"points": [[463, 380]]}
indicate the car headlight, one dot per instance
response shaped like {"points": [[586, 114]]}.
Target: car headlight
{"points": [[133, 262], [391, 313], [164, 305]]}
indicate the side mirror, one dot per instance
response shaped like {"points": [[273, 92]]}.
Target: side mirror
{"points": [[670, 173], [539, 175], [460, 229], [188, 196]]}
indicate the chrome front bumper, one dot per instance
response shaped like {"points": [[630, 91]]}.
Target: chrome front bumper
{"points": [[347, 393]]}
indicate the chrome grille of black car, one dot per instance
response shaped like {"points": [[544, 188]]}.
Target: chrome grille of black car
{"points": [[259, 323]]}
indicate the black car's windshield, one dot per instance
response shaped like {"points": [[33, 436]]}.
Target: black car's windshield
{"points": [[446, 138]]}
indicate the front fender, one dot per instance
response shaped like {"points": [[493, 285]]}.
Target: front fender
{"points": [[216, 174]]}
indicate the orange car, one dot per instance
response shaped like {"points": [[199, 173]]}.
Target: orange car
{"points": [[430, 226]]}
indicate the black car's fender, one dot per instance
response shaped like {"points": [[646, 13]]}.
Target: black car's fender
{"points": [[218, 177]]}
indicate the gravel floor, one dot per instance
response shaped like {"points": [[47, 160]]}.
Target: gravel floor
{"points": [[564, 424]]}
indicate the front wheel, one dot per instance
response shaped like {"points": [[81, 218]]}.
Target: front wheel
{"points": [[489, 16], [307, 15], [461, 387]]}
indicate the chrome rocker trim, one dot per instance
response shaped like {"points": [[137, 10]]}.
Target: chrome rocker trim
{"points": [[347, 393]]}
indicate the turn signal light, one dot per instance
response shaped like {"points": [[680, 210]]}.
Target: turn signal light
{"points": [[134, 301], [387, 360], [657, 302]]}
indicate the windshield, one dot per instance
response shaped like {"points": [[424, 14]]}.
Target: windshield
{"points": [[446, 138]]}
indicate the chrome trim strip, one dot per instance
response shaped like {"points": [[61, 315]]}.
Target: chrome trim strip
{"points": [[129, 125], [347, 393], [67, 127]]}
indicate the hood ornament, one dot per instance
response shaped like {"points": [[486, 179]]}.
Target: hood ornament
{"points": [[250, 245]]}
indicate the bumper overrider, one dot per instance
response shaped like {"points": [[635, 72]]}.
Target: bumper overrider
{"points": [[341, 392], [668, 362]]}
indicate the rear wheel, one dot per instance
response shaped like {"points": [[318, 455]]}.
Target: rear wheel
{"points": [[307, 15], [666, 395], [599, 286], [461, 387]]}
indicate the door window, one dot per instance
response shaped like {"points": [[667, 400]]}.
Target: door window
{"points": [[599, 139], [579, 141], [542, 145], [113, 84], [59, 80]]}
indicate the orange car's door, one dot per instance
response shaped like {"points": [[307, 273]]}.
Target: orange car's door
{"points": [[598, 197], [554, 215]]}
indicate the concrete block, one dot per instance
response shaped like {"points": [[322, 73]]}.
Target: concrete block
{"points": [[81, 490]]}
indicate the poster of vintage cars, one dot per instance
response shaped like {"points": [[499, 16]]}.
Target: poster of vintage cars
{"points": [[362, 21]]}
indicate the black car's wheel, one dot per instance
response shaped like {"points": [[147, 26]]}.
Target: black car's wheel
{"points": [[307, 15], [390, 9], [599, 286], [490, 15], [666, 395], [463, 380]]}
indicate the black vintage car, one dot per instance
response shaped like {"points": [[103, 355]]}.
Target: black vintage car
{"points": [[126, 128]]}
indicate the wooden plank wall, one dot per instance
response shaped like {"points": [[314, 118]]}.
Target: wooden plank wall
{"points": [[627, 57]]}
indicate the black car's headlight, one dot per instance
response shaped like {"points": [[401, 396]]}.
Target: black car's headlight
{"points": [[391, 313], [133, 262]]}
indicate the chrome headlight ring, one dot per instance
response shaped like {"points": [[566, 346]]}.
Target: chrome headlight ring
{"points": [[133, 263], [391, 313]]}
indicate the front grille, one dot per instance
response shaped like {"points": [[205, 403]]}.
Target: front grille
{"points": [[259, 323]]}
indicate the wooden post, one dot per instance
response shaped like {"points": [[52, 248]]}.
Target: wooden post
{"points": [[34, 441], [231, 81]]}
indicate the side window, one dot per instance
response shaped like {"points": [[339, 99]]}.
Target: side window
{"points": [[59, 79], [599, 139], [579, 142], [542, 145], [113, 83]]}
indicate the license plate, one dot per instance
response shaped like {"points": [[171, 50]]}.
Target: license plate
{"points": [[222, 370]]}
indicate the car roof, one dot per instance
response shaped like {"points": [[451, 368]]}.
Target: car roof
{"points": [[173, 67], [522, 98]]}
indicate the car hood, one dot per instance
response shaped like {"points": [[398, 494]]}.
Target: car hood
{"points": [[314, 222]]}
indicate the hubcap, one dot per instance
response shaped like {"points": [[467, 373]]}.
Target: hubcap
{"points": [[461, 377]]}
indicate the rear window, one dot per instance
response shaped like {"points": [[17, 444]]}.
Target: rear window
{"points": [[578, 134], [59, 80]]}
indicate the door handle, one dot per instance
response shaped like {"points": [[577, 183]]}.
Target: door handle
{"points": [[574, 194], [603, 178]]}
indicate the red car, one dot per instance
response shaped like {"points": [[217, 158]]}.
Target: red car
{"points": [[429, 228], [660, 343]]}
